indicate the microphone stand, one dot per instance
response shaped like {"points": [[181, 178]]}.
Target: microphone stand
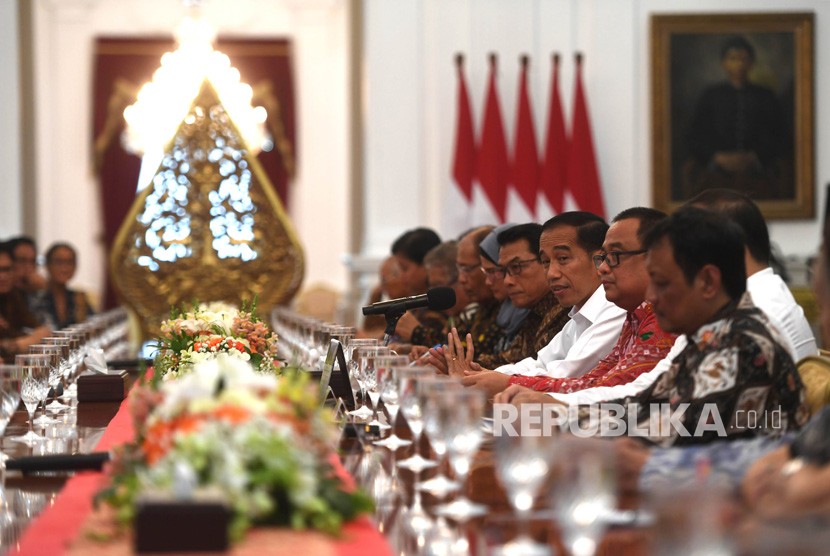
{"points": [[392, 318]]}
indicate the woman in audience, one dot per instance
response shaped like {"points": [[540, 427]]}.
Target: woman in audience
{"points": [[409, 251], [58, 305]]}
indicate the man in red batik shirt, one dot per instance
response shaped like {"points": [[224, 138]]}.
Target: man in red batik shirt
{"points": [[642, 343]]}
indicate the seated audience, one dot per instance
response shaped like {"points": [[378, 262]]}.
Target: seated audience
{"points": [[568, 243], [483, 309], [510, 318], [768, 291], [57, 305], [735, 362], [19, 327], [431, 326], [524, 279], [24, 254], [409, 251], [390, 286], [641, 344]]}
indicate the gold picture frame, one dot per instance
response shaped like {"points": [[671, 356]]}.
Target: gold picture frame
{"points": [[732, 106]]}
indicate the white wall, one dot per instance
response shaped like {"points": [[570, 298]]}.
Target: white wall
{"points": [[10, 208], [65, 31], [410, 72], [409, 105]]}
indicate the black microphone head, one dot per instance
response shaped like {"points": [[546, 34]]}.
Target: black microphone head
{"points": [[440, 298]]}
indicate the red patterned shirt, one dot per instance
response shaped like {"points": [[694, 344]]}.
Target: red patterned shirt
{"points": [[642, 343]]}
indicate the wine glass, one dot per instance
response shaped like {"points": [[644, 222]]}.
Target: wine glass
{"points": [[34, 381], [387, 388], [353, 355], [434, 426], [9, 399], [54, 352], [584, 493], [65, 351], [463, 411], [73, 363], [412, 406], [382, 362], [522, 464]]}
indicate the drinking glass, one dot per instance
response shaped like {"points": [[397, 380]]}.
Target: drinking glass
{"points": [[353, 355], [73, 366], [65, 349], [413, 406], [434, 426], [464, 409], [584, 493], [10, 376], [54, 352], [384, 361], [34, 381], [387, 388], [522, 465]]}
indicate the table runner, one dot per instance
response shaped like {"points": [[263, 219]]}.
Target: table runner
{"points": [[56, 530]]}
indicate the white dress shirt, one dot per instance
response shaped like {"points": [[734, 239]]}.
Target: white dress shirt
{"points": [[773, 297], [584, 340], [769, 293]]}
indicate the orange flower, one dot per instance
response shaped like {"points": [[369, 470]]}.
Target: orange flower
{"points": [[232, 413]]}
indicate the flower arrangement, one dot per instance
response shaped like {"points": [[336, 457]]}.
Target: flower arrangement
{"points": [[193, 336], [262, 441]]}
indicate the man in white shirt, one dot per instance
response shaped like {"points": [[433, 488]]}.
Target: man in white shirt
{"points": [[568, 243]]}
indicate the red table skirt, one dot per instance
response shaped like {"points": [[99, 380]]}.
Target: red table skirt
{"points": [[57, 528]]}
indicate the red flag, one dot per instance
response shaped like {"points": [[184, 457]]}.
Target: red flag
{"points": [[525, 154], [583, 174], [555, 166], [464, 158], [493, 166]]}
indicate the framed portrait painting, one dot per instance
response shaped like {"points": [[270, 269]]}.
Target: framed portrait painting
{"points": [[732, 106]]}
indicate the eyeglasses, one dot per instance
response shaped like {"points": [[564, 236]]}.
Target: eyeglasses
{"points": [[516, 267], [467, 268], [495, 273], [613, 257]]}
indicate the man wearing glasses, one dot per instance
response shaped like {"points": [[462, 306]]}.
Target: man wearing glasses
{"points": [[567, 244], [641, 344], [526, 287]]}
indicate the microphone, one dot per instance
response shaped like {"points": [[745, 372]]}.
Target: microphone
{"points": [[437, 299]]}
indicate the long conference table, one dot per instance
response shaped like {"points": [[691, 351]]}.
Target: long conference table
{"points": [[69, 524]]}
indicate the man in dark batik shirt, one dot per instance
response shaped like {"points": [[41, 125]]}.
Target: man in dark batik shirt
{"points": [[527, 287], [735, 378], [483, 326]]}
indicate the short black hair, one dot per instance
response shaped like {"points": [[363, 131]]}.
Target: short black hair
{"points": [[737, 43], [21, 240], [415, 244], [699, 237], [647, 217], [529, 232], [590, 228], [60, 245], [6, 247], [742, 211]]}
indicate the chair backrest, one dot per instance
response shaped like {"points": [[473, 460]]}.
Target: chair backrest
{"points": [[815, 375]]}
